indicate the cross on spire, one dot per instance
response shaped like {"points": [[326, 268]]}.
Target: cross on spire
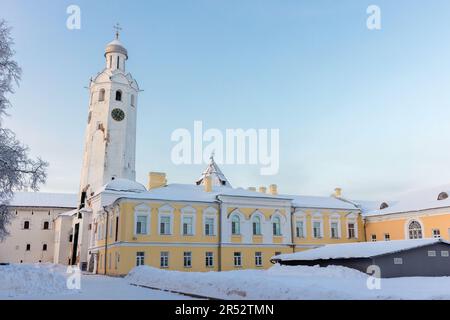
{"points": [[118, 29]]}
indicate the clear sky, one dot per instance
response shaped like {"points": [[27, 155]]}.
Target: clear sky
{"points": [[368, 111]]}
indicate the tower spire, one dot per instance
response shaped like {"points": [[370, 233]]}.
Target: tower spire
{"points": [[118, 29]]}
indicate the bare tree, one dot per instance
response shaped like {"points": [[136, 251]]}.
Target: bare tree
{"points": [[17, 170]]}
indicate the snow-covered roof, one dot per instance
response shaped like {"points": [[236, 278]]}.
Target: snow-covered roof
{"points": [[213, 171], [356, 250], [415, 201], [320, 202], [123, 185], [196, 193], [44, 199]]}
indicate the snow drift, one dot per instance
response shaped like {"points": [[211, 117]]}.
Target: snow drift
{"points": [[290, 283], [37, 279]]}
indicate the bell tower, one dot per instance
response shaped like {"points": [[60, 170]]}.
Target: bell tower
{"points": [[110, 138]]}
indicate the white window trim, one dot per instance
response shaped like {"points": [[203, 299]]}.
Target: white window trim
{"points": [[165, 211], [241, 222], [317, 217], [300, 216], [262, 221], [188, 212], [406, 227], [142, 210], [352, 218], [210, 212], [336, 218], [278, 215]]}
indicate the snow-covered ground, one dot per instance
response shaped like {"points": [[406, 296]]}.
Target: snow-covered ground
{"points": [[291, 282], [47, 281]]}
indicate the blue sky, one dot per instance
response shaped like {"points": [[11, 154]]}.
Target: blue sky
{"points": [[368, 111]]}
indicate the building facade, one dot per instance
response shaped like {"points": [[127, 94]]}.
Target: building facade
{"points": [[115, 223]]}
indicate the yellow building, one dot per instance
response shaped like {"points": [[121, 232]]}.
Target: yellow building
{"points": [[419, 214], [209, 225]]}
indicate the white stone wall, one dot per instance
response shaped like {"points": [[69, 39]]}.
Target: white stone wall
{"points": [[13, 248]]}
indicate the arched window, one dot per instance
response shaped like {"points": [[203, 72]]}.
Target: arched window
{"points": [[132, 100], [415, 230], [101, 95], [44, 247], [26, 225], [442, 196], [276, 226], [256, 225], [235, 225], [118, 95], [46, 225], [384, 205]]}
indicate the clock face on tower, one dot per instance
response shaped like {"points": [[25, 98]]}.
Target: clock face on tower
{"points": [[118, 114]]}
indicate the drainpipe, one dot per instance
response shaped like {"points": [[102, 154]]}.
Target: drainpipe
{"points": [[293, 227], [219, 258], [106, 237]]}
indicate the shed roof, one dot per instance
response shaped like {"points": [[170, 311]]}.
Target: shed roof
{"points": [[356, 250]]}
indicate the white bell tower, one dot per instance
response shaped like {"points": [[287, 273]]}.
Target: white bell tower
{"points": [[110, 143]]}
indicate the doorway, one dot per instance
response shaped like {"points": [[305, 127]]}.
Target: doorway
{"points": [[75, 244]]}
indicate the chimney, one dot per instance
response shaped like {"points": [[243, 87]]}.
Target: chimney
{"points": [[337, 192], [273, 189], [251, 189], [208, 184], [156, 180], [262, 189]]}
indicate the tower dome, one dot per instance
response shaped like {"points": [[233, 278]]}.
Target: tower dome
{"points": [[116, 46]]}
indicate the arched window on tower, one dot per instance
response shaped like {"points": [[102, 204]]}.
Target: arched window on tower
{"points": [[101, 95], [415, 230], [118, 95], [118, 62], [132, 100]]}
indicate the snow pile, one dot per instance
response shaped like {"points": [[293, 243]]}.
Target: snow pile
{"points": [[291, 283], [277, 283], [37, 279]]}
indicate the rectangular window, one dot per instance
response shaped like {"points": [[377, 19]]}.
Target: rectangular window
{"points": [[164, 260], [141, 225], [299, 230], [140, 258], [317, 232], [387, 237], [209, 259], [28, 247], [444, 253], [187, 226], [237, 259], [187, 261], [351, 231], [398, 260], [436, 233], [165, 225], [374, 237], [432, 253], [258, 259], [334, 230], [209, 226]]}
